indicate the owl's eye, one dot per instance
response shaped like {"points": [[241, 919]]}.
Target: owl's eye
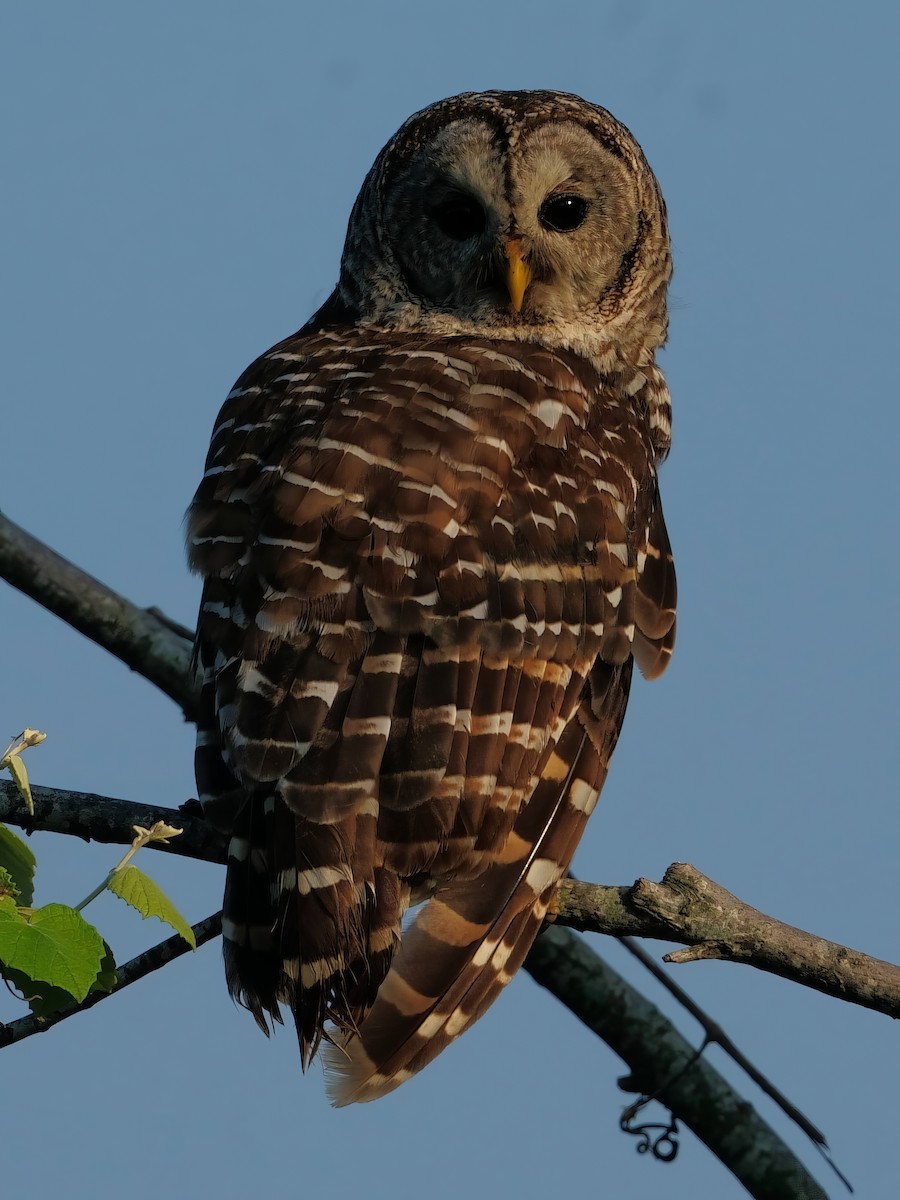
{"points": [[563, 213], [459, 217]]}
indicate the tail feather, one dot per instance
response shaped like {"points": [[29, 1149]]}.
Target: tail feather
{"points": [[470, 938], [253, 967]]}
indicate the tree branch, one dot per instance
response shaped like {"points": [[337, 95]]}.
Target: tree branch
{"points": [[659, 1057], [154, 646], [665, 1066], [139, 637], [685, 907], [715, 1035], [688, 907], [96, 818]]}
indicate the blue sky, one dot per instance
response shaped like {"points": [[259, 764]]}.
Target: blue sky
{"points": [[177, 182]]}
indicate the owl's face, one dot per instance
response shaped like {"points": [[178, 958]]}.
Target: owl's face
{"points": [[533, 213], [538, 233]]}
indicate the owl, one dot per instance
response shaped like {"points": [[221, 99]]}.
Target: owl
{"points": [[432, 548]]}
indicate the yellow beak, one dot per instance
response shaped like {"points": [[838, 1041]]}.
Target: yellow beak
{"points": [[518, 274]]}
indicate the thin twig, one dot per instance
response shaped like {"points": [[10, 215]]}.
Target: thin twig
{"points": [[130, 972], [716, 1035]]}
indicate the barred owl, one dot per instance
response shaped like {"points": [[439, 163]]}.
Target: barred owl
{"points": [[432, 548]]}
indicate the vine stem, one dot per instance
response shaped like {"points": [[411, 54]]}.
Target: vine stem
{"points": [[159, 831]]}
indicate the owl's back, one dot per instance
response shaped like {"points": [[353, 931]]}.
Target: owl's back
{"points": [[428, 562]]}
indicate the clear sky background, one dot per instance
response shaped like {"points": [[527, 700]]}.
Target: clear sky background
{"points": [[176, 182]]}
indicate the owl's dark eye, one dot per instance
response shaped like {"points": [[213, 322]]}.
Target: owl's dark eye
{"points": [[459, 217], [563, 213]]}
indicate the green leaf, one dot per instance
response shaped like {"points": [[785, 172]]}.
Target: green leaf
{"points": [[17, 859], [139, 890], [20, 775], [51, 945], [44, 999]]}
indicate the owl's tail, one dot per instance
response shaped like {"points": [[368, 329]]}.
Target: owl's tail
{"points": [[471, 937], [298, 931]]}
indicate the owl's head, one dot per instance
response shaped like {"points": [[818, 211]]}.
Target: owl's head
{"points": [[531, 215]]}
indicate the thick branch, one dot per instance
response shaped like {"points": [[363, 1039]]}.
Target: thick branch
{"points": [[136, 636], [103, 819]]}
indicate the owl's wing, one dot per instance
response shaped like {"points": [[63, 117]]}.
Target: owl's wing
{"points": [[654, 635]]}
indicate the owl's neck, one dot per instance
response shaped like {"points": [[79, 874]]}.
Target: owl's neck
{"points": [[599, 345]]}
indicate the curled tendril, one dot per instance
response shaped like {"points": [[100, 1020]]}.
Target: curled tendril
{"points": [[664, 1146]]}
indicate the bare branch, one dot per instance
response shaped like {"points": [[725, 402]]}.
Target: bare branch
{"points": [[688, 907], [661, 1064], [102, 819], [128, 973], [136, 636]]}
